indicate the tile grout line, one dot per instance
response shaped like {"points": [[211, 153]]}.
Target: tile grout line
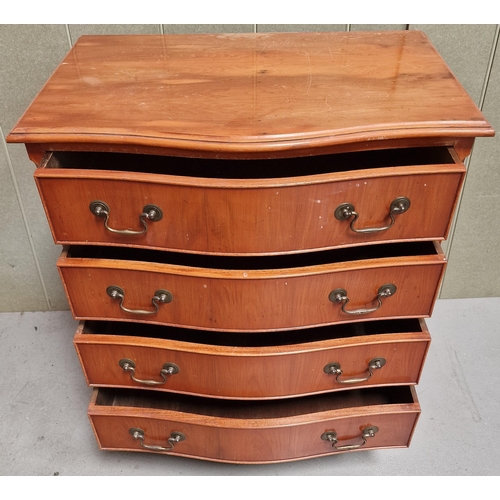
{"points": [[482, 98], [25, 219], [68, 34], [490, 67]]}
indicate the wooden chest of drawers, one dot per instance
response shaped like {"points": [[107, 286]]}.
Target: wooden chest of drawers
{"points": [[251, 229]]}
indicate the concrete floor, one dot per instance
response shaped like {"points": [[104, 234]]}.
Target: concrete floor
{"points": [[46, 430]]}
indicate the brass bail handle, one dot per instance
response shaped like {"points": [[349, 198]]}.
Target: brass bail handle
{"points": [[160, 297], [331, 437], [167, 370], [149, 213], [175, 437], [335, 369], [346, 210], [339, 295]]}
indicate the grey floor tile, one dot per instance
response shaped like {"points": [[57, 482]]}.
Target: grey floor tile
{"points": [[377, 27], [473, 258], [295, 28], [469, 64], [20, 285], [77, 30], [43, 243], [29, 55], [174, 29]]}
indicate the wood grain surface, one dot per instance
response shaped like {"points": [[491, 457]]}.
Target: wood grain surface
{"points": [[252, 215], [258, 372], [284, 430], [248, 143], [250, 92], [251, 299]]}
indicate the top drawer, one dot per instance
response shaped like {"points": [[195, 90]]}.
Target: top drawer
{"points": [[250, 207]]}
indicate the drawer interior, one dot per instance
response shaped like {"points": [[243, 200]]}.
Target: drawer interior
{"points": [[251, 169], [255, 409], [386, 250], [253, 339]]}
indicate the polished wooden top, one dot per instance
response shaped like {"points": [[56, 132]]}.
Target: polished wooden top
{"points": [[250, 92]]}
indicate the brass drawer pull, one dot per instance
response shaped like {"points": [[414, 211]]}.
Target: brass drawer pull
{"points": [[340, 295], [175, 437], [334, 369], [331, 437], [149, 212], [168, 369], [346, 211], [160, 296]]}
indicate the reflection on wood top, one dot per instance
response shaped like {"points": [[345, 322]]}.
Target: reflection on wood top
{"points": [[253, 92]]}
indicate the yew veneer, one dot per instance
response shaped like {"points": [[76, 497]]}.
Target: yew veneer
{"points": [[251, 228]]}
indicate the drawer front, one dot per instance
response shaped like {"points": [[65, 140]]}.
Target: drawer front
{"points": [[251, 372], [253, 440], [263, 216], [251, 300]]}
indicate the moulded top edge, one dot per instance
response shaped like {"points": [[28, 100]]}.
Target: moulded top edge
{"points": [[253, 92], [249, 144]]}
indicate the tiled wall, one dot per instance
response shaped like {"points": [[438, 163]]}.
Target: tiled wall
{"points": [[30, 53]]}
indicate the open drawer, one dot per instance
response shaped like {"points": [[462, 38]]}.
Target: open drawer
{"points": [[252, 365], [253, 293], [249, 207], [257, 431]]}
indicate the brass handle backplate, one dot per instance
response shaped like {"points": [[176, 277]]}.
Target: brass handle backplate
{"points": [[175, 437], [168, 369], [335, 369], [346, 210], [160, 297], [339, 295], [331, 437], [149, 213]]}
